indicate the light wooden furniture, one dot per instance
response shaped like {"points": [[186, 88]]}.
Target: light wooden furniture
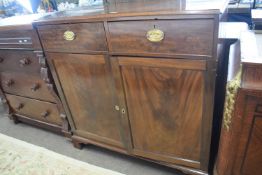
{"points": [[138, 77], [26, 84]]}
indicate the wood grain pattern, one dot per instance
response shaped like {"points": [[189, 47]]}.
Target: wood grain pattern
{"points": [[20, 62], [239, 150], [165, 111], [85, 80], [26, 85], [165, 63], [163, 92], [19, 38], [252, 77], [35, 109], [253, 158], [181, 37], [89, 37], [248, 154]]}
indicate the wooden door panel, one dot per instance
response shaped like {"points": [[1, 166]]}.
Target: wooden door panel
{"points": [[85, 81], [248, 157], [165, 107], [253, 159]]}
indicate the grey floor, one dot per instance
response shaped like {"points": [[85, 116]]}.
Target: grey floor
{"points": [[90, 154]]}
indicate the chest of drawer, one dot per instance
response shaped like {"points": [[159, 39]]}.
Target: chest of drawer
{"points": [[162, 37], [19, 61], [25, 85], [39, 110], [73, 38]]}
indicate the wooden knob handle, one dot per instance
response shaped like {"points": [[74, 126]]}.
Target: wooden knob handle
{"points": [[9, 83], [45, 114], [24, 62], [19, 106], [1, 60], [35, 87]]}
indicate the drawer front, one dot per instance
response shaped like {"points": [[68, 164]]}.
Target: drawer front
{"points": [[25, 85], [35, 109], [26, 38], [73, 38], [19, 61], [170, 37]]}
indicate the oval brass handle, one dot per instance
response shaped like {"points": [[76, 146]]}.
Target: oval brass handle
{"points": [[45, 114], [155, 35], [9, 83], [24, 62], [35, 87], [69, 35], [117, 108], [19, 106], [1, 59]]}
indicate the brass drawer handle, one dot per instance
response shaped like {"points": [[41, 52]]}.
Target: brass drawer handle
{"points": [[9, 83], [1, 59], [69, 35], [35, 87], [117, 108], [24, 62], [19, 106], [45, 114], [155, 35]]}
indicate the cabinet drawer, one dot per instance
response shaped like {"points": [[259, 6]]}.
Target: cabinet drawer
{"points": [[19, 61], [39, 110], [81, 38], [25, 85], [19, 38], [193, 37]]}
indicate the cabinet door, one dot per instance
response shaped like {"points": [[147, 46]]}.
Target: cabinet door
{"points": [[248, 159], [86, 85], [165, 99]]}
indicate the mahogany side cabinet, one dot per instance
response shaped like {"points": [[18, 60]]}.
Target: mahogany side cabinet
{"points": [[138, 77]]}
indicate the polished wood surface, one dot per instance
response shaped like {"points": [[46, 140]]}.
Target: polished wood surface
{"points": [[86, 84], [252, 79], [21, 62], [36, 109], [19, 39], [29, 92], [240, 151], [126, 91], [249, 154], [25, 85], [192, 37], [161, 101], [89, 37]]}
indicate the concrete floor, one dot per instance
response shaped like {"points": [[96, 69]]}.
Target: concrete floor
{"points": [[90, 154]]}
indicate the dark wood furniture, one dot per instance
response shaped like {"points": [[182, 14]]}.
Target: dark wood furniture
{"points": [[240, 151], [26, 83], [138, 77]]}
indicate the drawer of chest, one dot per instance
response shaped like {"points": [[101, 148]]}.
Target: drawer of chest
{"points": [[170, 37], [25, 85], [19, 61], [19, 38], [73, 38], [35, 109]]}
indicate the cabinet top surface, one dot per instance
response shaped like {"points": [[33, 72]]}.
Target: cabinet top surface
{"points": [[139, 8]]}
